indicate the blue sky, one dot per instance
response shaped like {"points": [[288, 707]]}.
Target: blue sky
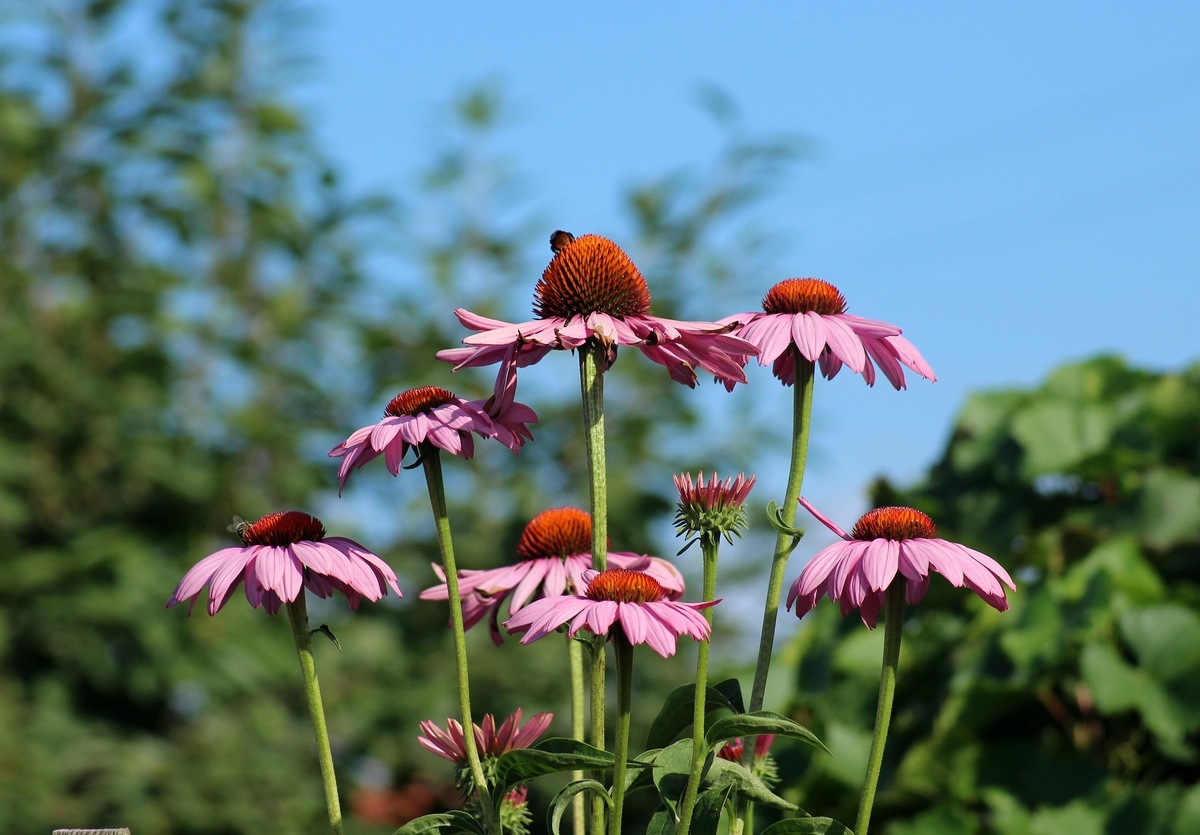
{"points": [[1015, 185]]}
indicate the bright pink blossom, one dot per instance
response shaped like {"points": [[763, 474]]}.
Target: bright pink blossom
{"points": [[885, 542], [810, 315], [592, 290], [556, 545], [490, 741], [629, 603], [443, 419], [283, 554]]}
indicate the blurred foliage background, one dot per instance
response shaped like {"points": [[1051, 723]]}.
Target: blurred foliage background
{"points": [[194, 309]]}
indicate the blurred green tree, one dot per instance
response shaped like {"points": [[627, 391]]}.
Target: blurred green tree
{"points": [[1079, 709], [192, 315]]}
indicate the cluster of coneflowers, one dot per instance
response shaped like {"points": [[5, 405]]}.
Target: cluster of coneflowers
{"points": [[590, 301]]}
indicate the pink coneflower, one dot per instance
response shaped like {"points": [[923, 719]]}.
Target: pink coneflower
{"points": [[716, 508], [632, 603], [555, 548], [282, 554], [592, 290], [734, 748], [490, 741], [811, 314], [885, 542], [443, 419]]}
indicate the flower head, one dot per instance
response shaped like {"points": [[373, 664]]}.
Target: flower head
{"points": [[281, 555], [443, 419], [490, 741], [555, 550], [713, 509], [615, 602], [810, 314], [592, 290], [885, 542]]}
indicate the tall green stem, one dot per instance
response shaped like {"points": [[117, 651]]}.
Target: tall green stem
{"points": [[893, 614], [432, 462], [624, 655], [578, 724], [298, 615], [785, 542], [709, 544], [591, 383]]}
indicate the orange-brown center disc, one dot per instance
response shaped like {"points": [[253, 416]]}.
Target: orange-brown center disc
{"points": [[559, 532], [590, 274], [415, 401], [284, 528], [624, 586], [801, 295], [894, 523]]}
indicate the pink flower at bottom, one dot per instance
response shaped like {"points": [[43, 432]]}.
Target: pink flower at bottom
{"points": [[556, 546], [885, 542], [283, 554], [490, 741], [630, 603]]}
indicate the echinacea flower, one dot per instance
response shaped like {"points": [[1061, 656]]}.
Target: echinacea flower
{"points": [[810, 314], [490, 741], [616, 602], [443, 419], [734, 748], [592, 290], [715, 509], [884, 543], [281, 555], [555, 550]]}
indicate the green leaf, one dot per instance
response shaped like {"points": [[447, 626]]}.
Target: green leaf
{"points": [[1060, 435], [723, 774], [706, 815], [676, 713], [547, 757], [662, 823], [670, 771], [807, 826], [775, 517], [562, 800], [442, 822], [759, 723]]}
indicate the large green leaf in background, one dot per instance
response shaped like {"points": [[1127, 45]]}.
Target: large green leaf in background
{"points": [[1079, 709]]}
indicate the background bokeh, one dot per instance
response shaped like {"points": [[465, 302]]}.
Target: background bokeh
{"points": [[231, 231]]}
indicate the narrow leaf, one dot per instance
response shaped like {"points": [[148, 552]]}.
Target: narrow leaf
{"points": [[562, 800], [759, 723], [807, 826], [548, 757], [445, 823]]}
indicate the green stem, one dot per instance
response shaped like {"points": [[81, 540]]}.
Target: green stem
{"points": [[893, 614], [709, 545], [802, 393], [591, 383], [785, 542], [624, 654], [298, 615], [578, 724], [432, 463], [596, 705]]}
